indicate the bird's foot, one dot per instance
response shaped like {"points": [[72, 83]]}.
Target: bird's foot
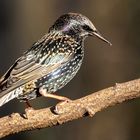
{"points": [[28, 112], [59, 108], [28, 109]]}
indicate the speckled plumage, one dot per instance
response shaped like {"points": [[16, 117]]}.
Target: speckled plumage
{"points": [[51, 62]]}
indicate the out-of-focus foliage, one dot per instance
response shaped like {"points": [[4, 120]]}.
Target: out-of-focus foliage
{"points": [[24, 22]]}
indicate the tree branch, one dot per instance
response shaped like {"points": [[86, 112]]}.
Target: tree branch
{"points": [[86, 106]]}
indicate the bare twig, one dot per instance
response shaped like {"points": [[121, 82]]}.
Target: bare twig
{"points": [[86, 106]]}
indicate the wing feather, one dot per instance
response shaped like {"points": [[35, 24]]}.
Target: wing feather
{"points": [[26, 70]]}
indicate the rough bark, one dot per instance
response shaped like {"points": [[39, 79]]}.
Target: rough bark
{"points": [[68, 111]]}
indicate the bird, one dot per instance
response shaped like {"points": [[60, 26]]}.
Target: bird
{"points": [[51, 62]]}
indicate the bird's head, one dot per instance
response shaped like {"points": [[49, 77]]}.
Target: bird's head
{"points": [[76, 25]]}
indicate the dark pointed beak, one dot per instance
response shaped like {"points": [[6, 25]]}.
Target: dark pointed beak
{"points": [[97, 34]]}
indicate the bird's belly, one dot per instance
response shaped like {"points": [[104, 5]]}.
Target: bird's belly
{"points": [[60, 77]]}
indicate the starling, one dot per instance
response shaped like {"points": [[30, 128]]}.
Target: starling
{"points": [[51, 62]]}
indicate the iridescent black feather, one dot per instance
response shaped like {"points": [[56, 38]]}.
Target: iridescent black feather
{"points": [[51, 62]]}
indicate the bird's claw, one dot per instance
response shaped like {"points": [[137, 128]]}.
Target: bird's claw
{"points": [[59, 108], [28, 112]]}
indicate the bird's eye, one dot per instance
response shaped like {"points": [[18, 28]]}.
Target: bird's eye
{"points": [[87, 28]]}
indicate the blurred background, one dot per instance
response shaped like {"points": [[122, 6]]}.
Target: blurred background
{"points": [[24, 22]]}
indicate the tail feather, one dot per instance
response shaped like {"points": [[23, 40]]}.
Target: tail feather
{"points": [[7, 97], [6, 94]]}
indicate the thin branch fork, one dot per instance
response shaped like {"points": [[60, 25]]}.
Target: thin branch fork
{"points": [[86, 106]]}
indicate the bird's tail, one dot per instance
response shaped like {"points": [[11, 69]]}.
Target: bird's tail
{"points": [[4, 98], [5, 94]]}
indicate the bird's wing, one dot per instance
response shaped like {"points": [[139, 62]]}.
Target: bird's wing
{"points": [[31, 67]]}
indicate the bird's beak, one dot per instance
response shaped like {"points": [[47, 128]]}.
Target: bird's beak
{"points": [[97, 34]]}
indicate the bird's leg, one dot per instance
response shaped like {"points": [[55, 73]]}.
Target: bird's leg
{"points": [[57, 108], [28, 105], [43, 92], [28, 109], [64, 100]]}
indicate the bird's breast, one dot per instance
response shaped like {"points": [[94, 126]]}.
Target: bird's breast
{"points": [[61, 76]]}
